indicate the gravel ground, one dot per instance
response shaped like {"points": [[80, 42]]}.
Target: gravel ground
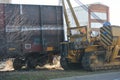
{"points": [[40, 74], [8, 73], [102, 76]]}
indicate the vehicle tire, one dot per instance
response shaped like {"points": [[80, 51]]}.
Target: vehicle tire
{"points": [[64, 63], [69, 66]]}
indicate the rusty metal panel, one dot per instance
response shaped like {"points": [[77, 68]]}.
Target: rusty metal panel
{"points": [[2, 21], [2, 33], [32, 27], [31, 41], [52, 36], [52, 26], [51, 15], [12, 15], [30, 15]]}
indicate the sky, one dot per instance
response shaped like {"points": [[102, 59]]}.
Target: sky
{"points": [[113, 5]]}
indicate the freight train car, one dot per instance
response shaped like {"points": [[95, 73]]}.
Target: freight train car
{"points": [[30, 33]]}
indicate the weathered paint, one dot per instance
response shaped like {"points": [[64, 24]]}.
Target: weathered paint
{"points": [[31, 28]]}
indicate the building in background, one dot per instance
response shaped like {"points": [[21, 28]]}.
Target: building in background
{"points": [[5, 1], [93, 15]]}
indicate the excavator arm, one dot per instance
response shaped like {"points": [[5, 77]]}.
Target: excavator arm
{"points": [[81, 30]]}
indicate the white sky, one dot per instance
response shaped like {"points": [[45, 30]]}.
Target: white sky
{"points": [[114, 6]]}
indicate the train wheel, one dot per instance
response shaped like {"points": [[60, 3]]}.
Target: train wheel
{"points": [[31, 63], [17, 64]]}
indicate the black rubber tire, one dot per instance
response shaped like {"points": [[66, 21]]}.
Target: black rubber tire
{"points": [[69, 66], [64, 64], [17, 64]]}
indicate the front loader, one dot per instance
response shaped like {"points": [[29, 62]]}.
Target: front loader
{"points": [[91, 53]]}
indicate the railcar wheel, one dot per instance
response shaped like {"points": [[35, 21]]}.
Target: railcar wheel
{"points": [[18, 63], [31, 63]]}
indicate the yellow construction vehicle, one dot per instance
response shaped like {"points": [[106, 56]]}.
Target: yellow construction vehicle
{"points": [[81, 50]]}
